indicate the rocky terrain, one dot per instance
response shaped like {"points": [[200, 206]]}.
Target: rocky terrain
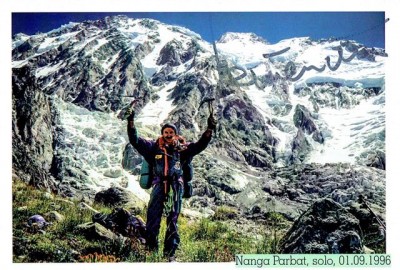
{"points": [[287, 136]]}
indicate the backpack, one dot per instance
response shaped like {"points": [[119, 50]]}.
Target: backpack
{"points": [[121, 221], [187, 175], [146, 175]]}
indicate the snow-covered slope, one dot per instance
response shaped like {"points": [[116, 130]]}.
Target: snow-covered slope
{"points": [[349, 130]]}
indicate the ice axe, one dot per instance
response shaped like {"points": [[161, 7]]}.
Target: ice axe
{"points": [[209, 101], [124, 112]]}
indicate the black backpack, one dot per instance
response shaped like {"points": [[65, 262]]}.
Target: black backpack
{"points": [[187, 175], [121, 221]]}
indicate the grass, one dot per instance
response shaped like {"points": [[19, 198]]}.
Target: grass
{"points": [[204, 240]]}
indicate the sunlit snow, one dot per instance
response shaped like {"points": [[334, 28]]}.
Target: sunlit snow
{"points": [[154, 113]]}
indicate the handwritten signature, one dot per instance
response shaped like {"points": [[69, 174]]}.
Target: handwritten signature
{"points": [[290, 69]]}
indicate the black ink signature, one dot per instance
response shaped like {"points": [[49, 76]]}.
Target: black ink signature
{"points": [[290, 69]]}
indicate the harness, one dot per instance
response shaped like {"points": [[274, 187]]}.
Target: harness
{"points": [[168, 168]]}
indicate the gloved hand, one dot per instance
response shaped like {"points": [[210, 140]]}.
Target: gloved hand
{"points": [[211, 122], [187, 190], [131, 114]]}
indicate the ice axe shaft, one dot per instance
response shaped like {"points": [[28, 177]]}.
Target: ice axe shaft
{"points": [[210, 108]]}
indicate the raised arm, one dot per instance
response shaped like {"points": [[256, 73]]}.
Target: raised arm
{"points": [[197, 147], [143, 146]]}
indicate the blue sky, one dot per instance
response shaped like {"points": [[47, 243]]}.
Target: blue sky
{"points": [[367, 28]]}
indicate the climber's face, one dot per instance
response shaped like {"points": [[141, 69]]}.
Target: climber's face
{"points": [[168, 135]]}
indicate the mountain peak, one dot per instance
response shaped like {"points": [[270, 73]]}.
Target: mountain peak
{"points": [[241, 37]]}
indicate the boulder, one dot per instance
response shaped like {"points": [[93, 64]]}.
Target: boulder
{"points": [[117, 196], [94, 230], [326, 227]]}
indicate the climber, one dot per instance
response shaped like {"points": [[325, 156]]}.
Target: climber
{"points": [[166, 155]]}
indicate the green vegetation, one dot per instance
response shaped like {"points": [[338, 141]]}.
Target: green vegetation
{"points": [[225, 213], [204, 240]]}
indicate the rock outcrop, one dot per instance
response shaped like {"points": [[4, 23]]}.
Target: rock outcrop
{"points": [[326, 227], [32, 130]]}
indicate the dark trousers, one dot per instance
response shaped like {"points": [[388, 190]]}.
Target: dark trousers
{"points": [[154, 215]]}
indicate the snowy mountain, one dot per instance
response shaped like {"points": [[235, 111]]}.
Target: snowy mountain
{"points": [[314, 105]]}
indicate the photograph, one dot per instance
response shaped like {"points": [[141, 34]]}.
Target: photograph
{"points": [[241, 138]]}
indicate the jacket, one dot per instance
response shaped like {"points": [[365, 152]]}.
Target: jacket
{"points": [[151, 152]]}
